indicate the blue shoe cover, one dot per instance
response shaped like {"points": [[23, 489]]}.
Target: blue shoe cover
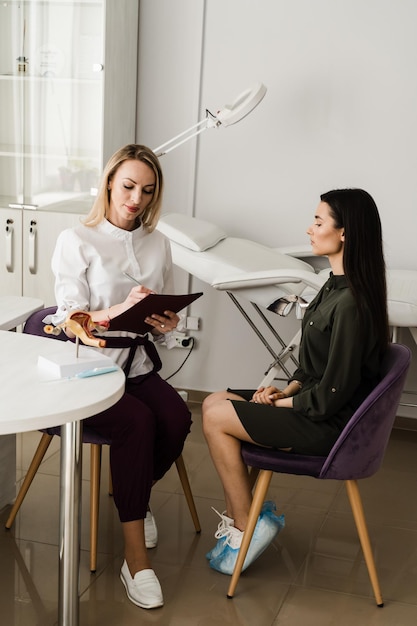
{"points": [[217, 550], [266, 529], [225, 522]]}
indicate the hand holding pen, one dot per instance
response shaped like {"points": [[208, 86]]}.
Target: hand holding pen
{"points": [[137, 293], [161, 323]]}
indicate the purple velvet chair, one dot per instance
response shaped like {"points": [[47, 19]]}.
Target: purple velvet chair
{"points": [[34, 326], [357, 453]]}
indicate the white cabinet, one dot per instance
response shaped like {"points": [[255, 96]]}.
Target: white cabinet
{"points": [[40, 231], [25, 253], [11, 258], [68, 74]]}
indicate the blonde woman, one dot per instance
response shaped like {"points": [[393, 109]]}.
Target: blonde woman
{"points": [[94, 264]]}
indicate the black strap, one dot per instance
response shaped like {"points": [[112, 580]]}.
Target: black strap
{"points": [[132, 343]]}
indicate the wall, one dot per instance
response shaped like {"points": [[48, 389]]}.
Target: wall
{"points": [[339, 112]]}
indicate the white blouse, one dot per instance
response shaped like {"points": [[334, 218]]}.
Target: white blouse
{"points": [[88, 264]]}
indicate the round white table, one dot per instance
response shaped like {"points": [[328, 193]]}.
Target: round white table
{"points": [[14, 310], [30, 401]]}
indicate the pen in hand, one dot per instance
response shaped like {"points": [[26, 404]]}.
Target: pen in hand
{"points": [[131, 278], [143, 289]]}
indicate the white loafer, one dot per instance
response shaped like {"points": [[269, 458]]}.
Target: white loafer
{"points": [[143, 589], [151, 530]]}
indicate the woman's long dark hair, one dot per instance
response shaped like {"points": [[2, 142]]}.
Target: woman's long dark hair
{"points": [[355, 211]]}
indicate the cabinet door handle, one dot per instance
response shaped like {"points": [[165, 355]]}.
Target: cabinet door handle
{"points": [[9, 245], [32, 247]]}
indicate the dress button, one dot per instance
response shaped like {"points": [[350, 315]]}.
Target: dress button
{"points": [[311, 323], [333, 389]]}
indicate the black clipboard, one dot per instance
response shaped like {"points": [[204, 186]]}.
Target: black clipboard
{"points": [[132, 320]]}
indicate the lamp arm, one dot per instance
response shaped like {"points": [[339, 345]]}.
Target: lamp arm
{"points": [[230, 114], [180, 135], [179, 143], [209, 121]]}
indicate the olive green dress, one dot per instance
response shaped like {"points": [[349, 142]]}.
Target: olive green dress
{"points": [[339, 365]]}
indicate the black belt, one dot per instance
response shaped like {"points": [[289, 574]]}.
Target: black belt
{"points": [[132, 343]]}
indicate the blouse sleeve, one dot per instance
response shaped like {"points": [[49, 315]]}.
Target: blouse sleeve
{"points": [[343, 370], [69, 265]]}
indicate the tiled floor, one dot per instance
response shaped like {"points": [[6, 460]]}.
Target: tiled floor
{"points": [[313, 574]]}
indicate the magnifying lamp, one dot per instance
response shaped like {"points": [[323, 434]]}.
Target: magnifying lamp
{"points": [[228, 115]]}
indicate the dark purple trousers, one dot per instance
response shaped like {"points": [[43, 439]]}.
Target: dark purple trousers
{"points": [[147, 428]]}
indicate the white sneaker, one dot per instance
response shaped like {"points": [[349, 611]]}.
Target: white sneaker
{"points": [[143, 589], [220, 534], [151, 530]]}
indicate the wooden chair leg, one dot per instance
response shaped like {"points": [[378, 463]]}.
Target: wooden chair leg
{"points": [[33, 468], [182, 472], [359, 516], [262, 486], [95, 471]]}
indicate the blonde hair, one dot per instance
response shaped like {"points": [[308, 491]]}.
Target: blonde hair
{"points": [[131, 152]]}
